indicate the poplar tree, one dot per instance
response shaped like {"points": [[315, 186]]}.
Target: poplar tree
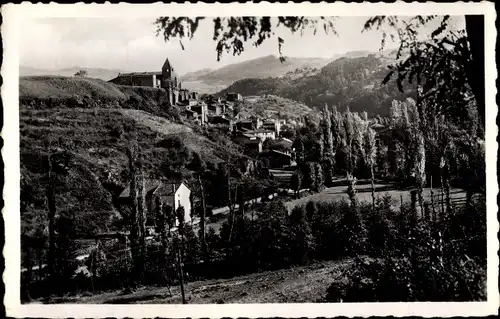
{"points": [[328, 134], [137, 219], [348, 124], [328, 149], [371, 152], [420, 168], [57, 166], [163, 228]]}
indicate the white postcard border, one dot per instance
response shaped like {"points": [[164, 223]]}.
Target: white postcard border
{"points": [[12, 25]]}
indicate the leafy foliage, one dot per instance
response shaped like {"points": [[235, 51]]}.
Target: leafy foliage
{"points": [[82, 73], [231, 33]]}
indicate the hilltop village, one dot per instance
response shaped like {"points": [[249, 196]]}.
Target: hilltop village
{"points": [[221, 112]]}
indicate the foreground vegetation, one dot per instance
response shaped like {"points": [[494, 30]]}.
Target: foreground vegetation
{"points": [[395, 254]]}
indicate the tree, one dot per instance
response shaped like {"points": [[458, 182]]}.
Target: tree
{"points": [[371, 152], [137, 219], [65, 247], [199, 166], [301, 235], [231, 33], [463, 63], [57, 164], [296, 182], [448, 67], [420, 168], [180, 215], [328, 149], [163, 224], [349, 130], [82, 73], [351, 190]]}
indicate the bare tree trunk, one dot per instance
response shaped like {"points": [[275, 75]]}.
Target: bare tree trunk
{"points": [[401, 198], [468, 197], [432, 203], [447, 193], [204, 246], [442, 195], [142, 212], [181, 276], [242, 203], [39, 255], [474, 25], [421, 201], [162, 226], [373, 185], [230, 203]]}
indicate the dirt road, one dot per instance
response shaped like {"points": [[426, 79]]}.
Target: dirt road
{"points": [[294, 285]]}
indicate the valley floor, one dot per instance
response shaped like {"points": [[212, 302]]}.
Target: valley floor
{"points": [[293, 285]]}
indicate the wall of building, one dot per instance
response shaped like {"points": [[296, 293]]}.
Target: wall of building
{"points": [[135, 80], [182, 198]]}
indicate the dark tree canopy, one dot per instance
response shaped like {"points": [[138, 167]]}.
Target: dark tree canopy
{"points": [[231, 33], [448, 64], [82, 73]]}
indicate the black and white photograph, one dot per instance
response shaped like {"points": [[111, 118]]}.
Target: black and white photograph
{"points": [[254, 159]]}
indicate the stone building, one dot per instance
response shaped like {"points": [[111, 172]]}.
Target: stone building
{"points": [[167, 79]]}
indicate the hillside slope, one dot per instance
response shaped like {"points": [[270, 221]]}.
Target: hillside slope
{"points": [[94, 121], [354, 83]]}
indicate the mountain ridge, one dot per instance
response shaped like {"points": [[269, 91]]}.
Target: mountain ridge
{"points": [[354, 83]]}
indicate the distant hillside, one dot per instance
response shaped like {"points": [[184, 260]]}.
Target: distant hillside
{"points": [[94, 120], [353, 83], [257, 68], [210, 81], [193, 76], [98, 73]]}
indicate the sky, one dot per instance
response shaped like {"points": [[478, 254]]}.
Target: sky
{"points": [[132, 45]]}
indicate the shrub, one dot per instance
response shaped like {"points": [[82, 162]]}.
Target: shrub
{"points": [[302, 240], [442, 261]]}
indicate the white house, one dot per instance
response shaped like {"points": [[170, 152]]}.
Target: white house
{"points": [[171, 194], [177, 195], [264, 134]]}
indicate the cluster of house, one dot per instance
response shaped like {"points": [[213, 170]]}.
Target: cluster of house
{"points": [[250, 132], [211, 110]]}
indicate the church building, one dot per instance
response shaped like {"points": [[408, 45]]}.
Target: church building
{"points": [[167, 79]]}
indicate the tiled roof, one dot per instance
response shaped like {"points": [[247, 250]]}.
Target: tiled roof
{"points": [[138, 74], [163, 188], [257, 141], [262, 131], [168, 189], [281, 153]]}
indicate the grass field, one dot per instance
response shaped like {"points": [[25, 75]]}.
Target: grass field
{"points": [[338, 193]]}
